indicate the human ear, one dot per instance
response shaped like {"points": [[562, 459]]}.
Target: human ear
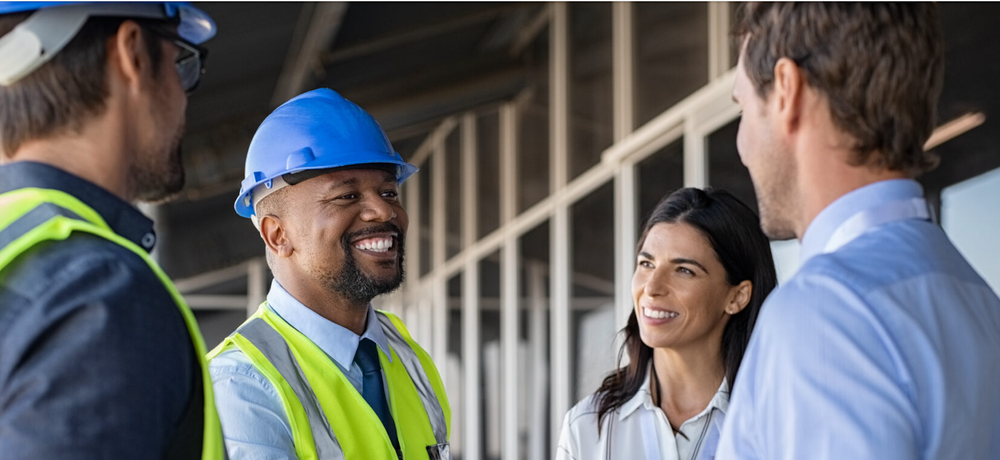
{"points": [[128, 55], [787, 93], [739, 297], [275, 236]]}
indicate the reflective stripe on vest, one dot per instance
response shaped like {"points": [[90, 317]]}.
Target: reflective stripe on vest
{"points": [[30, 216], [286, 363], [276, 350], [32, 219], [416, 370]]}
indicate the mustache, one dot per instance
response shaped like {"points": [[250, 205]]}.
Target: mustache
{"points": [[378, 228]]}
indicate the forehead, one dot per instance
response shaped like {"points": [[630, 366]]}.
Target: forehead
{"points": [[358, 177], [677, 240]]}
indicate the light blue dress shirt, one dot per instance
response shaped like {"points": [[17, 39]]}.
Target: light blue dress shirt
{"points": [[254, 423], [885, 345]]}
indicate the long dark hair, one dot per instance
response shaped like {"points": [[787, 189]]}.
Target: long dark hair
{"points": [[734, 232]]}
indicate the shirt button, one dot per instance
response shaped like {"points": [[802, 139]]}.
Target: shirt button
{"points": [[148, 240]]}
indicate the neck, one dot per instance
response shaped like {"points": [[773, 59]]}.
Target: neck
{"points": [[326, 303], [687, 379], [98, 153], [825, 175]]}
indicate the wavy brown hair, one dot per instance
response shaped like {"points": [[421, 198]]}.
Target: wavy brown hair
{"points": [[880, 65], [734, 232]]}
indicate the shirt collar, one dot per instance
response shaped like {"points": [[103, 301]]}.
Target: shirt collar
{"points": [[644, 399], [821, 229], [338, 342], [123, 218]]}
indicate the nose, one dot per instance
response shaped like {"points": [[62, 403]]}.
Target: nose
{"points": [[657, 284], [377, 210]]}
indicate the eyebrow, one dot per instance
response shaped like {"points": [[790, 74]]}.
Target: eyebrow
{"points": [[689, 261], [354, 181], [677, 261], [351, 181]]}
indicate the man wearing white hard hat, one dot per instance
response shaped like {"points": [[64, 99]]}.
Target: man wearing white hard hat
{"points": [[317, 372], [99, 355]]}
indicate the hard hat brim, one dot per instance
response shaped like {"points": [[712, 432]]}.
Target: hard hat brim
{"points": [[244, 205]]}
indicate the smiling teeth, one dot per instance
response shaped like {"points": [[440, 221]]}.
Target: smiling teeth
{"points": [[381, 245], [658, 314]]}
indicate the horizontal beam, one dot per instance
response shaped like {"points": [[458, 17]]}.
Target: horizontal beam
{"points": [[954, 128], [217, 302], [212, 278], [389, 42]]}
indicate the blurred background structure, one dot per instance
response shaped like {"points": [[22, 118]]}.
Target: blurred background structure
{"points": [[545, 133]]}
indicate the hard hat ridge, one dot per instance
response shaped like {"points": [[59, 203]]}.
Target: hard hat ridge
{"points": [[315, 130]]}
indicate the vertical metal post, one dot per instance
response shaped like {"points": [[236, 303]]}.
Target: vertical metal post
{"points": [[439, 294], [471, 350], [559, 238], [560, 292], [509, 289], [718, 39], [413, 253], [509, 326], [559, 96], [470, 293], [695, 157], [508, 163], [538, 336], [622, 44], [425, 325], [625, 237], [470, 195], [256, 284]]}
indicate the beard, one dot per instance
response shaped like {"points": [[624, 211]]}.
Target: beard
{"points": [[776, 191], [159, 175], [358, 287]]}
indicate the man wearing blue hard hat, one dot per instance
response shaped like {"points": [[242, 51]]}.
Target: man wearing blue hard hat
{"points": [[99, 355], [317, 372]]}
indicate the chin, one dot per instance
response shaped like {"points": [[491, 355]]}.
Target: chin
{"points": [[653, 340]]}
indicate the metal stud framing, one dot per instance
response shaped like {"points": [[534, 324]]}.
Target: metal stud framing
{"points": [[693, 118]]}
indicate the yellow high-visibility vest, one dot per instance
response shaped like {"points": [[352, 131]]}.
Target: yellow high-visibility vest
{"points": [[30, 216], [328, 417]]}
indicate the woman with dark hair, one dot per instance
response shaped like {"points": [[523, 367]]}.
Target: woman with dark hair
{"points": [[703, 269]]}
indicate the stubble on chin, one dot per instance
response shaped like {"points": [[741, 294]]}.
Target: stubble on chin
{"points": [[158, 176], [776, 204]]}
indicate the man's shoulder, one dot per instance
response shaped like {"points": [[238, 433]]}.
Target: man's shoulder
{"points": [[233, 363], [882, 273], [51, 264], [895, 252], [816, 302], [87, 275]]}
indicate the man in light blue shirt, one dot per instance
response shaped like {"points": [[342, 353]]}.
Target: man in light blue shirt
{"points": [[886, 343]]}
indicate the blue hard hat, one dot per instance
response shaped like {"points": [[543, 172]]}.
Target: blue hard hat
{"points": [[54, 24], [315, 130]]}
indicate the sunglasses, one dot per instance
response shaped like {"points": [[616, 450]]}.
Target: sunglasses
{"points": [[190, 63]]}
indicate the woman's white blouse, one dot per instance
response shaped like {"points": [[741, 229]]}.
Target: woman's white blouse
{"points": [[622, 433]]}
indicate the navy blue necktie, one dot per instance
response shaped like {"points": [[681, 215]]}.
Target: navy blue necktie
{"points": [[371, 386]]}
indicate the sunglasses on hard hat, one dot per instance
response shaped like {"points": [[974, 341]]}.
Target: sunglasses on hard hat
{"points": [[190, 63]]}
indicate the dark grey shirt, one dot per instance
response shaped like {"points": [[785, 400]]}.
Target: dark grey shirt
{"points": [[95, 359]]}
